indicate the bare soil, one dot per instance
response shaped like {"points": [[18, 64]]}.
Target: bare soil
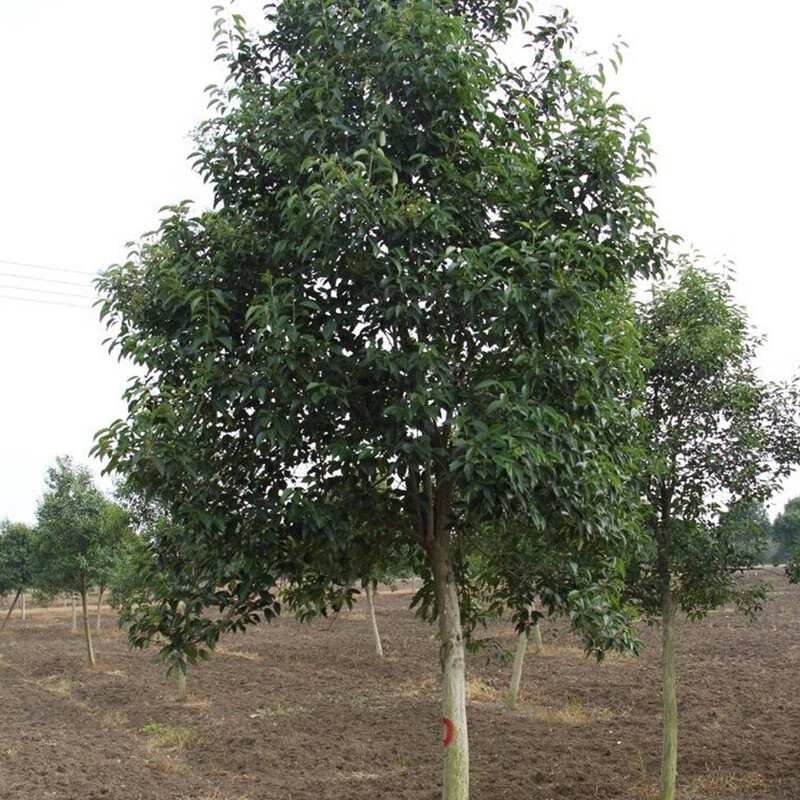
{"points": [[290, 711]]}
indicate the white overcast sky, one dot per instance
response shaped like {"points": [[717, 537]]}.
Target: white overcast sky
{"points": [[99, 98]]}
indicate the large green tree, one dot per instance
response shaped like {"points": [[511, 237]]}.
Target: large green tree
{"points": [[17, 563], [77, 536], [383, 315], [718, 441]]}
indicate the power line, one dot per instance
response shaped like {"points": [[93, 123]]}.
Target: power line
{"points": [[46, 291], [42, 266], [43, 302], [36, 278]]}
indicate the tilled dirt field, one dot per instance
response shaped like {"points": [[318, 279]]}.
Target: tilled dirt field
{"points": [[291, 711]]}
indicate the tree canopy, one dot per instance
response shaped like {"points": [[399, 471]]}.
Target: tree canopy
{"points": [[78, 533], [17, 565], [786, 530], [717, 442], [392, 311]]}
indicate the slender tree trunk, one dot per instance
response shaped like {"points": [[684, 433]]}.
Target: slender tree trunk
{"points": [[181, 681], [22, 597], [376, 636], [86, 627], [454, 706], [669, 753], [537, 637], [74, 613], [3, 627], [99, 601], [516, 671]]}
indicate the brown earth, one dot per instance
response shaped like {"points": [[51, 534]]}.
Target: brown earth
{"points": [[290, 711]]}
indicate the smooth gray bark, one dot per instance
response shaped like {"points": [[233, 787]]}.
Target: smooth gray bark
{"points": [[181, 682], [376, 635], [516, 671], [537, 637], [99, 602], [454, 700], [669, 753], [87, 631]]}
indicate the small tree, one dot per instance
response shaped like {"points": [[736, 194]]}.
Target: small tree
{"points": [[74, 544], [718, 440], [786, 531], [373, 318], [16, 561]]}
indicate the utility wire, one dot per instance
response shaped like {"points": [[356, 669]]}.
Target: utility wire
{"points": [[44, 280], [42, 266], [46, 291], [43, 302]]}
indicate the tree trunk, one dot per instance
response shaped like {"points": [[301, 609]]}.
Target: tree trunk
{"points": [[74, 613], [22, 597], [99, 601], [454, 706], [537, 637], [181, 681], [516, 671], [2, 628], [669, 753], [374, 622], [86, 627]]}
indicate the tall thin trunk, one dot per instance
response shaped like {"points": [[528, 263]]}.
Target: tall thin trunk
{"points": [[74, 613], [86, 627], [99, 601], [376, 636], [537, 637], [3, 626], [454, 705], [516, 671], [22, 597], [181, 681], [669, 753]]}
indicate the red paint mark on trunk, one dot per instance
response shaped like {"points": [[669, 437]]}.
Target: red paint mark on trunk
{"points": [[449, 731]]}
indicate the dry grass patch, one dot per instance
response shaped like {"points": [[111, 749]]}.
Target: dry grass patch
{"points": [[411, 690], [113, 719], [479, 690], [357, 775], [718, 783], [554, 649], [163, 736], [278, 710], [244, 654], [57, 684], [573, 712], [100, 669], [193, 702]]}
